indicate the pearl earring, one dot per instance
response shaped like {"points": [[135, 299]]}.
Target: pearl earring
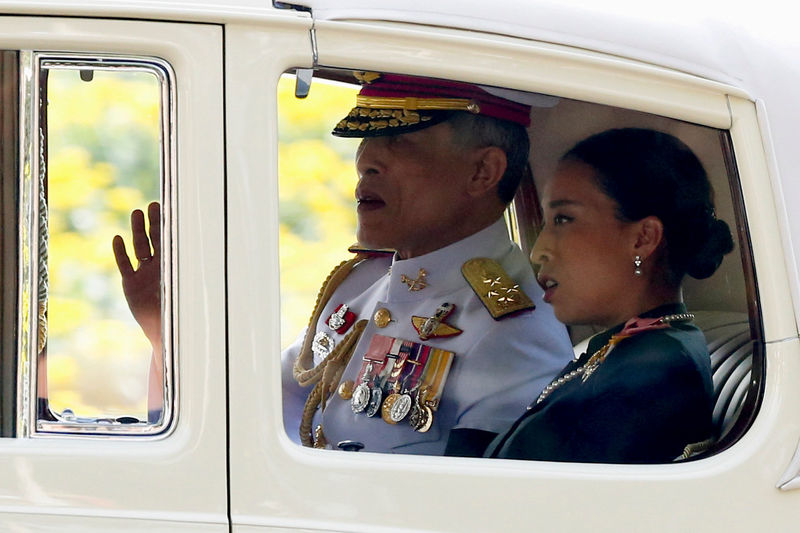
{"points": [[637, 265]]}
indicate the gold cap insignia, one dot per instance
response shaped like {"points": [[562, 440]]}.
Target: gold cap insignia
{"points": [[500, 294], [366, 77]]}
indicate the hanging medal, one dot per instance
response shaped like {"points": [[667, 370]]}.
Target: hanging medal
{"points": [[375, 399], [361, 394], [373, 363], [398, 405], [381, 380], [398, 378], [421, 418], [403, 380], [431, 387]]}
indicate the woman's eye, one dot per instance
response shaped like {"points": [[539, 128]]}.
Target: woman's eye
{"points": [[561, 219]]}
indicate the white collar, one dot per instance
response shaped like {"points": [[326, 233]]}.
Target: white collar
{"points": [[443, 266]]}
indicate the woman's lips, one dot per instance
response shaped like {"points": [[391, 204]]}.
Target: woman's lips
{"points": [[549, 285]]}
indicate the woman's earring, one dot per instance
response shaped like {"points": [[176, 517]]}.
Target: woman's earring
{"points": [[637, 265]]}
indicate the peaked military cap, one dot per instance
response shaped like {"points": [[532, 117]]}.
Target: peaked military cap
{"points": [[391, 104]]}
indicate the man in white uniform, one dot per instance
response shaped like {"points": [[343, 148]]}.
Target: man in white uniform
{"points": [[447, 332]]}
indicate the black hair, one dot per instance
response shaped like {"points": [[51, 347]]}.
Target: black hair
{"points": [[473, 131], [650, 173]]}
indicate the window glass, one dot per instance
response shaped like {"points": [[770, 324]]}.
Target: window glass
{"points": [[103, 162], [103, 150]]}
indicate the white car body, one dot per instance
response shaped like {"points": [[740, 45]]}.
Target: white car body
{"points": [[227, 465]]}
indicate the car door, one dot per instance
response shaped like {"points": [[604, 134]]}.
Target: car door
{"points": [[278, 485], [101, 116]]}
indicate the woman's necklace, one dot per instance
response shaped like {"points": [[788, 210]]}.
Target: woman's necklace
{"points": [[632, 327]]}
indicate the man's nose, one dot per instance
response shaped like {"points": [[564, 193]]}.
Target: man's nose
{"points": [[368, 157]]}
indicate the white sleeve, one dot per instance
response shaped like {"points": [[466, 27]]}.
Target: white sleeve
{"points": [[294, 396], [507, 369]]}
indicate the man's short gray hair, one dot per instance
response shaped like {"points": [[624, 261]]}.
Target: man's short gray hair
{"points": [[478, 131]]}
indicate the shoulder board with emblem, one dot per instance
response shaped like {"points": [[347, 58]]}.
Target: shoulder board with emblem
{"points": [[500, 294], [370, 252]]}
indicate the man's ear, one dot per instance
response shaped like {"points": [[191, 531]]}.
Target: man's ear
{"points": [[649, 235], [490, 165]]}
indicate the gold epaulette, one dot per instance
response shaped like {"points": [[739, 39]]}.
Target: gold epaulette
{"points": [[500, 294], [370, 252]]}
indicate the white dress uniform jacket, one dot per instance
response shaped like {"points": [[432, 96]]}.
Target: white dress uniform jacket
{"points": [[499, 367]]}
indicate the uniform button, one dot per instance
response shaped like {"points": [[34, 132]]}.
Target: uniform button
{"points": [[382, 317], [345, 389]]}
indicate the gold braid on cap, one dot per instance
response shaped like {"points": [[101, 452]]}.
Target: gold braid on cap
{"points": [[321, 376], [413, 103]]}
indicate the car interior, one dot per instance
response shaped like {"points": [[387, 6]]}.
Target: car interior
{"points": [[725, 305]]}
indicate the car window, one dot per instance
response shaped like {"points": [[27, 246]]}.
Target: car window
{"points": [[317, 215], [97, 143]]}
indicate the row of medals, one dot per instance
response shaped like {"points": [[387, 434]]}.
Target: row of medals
{"points": [[395, 408]]}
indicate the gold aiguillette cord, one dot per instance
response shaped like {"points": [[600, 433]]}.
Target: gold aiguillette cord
{"points": [[327, 373]]}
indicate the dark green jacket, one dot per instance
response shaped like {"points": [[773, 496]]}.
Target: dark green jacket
{"points": [[649, 398]]}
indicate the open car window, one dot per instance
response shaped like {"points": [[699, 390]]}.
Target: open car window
{"points": [[317, 215]]}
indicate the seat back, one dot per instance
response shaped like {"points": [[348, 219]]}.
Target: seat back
{"points": [[730, 348]]}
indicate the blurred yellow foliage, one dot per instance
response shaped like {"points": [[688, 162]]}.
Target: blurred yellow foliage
{"points": [[72, 313], [102, 162], [72, 172], [88, 104], [103, 149], [326, 104], [316, 189]]}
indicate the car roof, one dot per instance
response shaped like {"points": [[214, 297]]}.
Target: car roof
{"points": [[710, 38], [725, 41]]}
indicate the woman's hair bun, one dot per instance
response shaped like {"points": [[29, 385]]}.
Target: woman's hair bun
{"points": [[709, 253], [652, 173]]}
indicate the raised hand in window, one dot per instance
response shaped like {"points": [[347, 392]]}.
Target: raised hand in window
{"points": [[142, 285], [142, 289]]}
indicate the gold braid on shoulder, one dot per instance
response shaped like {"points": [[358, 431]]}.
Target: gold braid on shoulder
{"points": [[324, 376]]}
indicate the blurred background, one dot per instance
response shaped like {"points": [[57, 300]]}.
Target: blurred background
{"points": [[103, 162], [103, 146], [317, 179]]}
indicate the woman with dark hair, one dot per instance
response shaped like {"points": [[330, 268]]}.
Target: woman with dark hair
{"points": [[628, 213]]}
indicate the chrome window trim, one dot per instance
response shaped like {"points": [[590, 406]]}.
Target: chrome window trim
{"points": [[31, 64], [28, 261]]}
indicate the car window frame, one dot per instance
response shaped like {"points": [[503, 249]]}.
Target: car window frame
{"points": [[32, 142]]}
